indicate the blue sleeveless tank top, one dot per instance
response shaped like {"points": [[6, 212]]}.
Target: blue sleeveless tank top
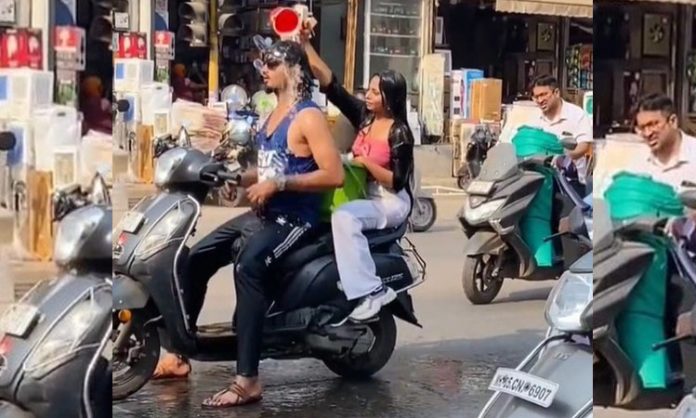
{"points": [[275, 158]]}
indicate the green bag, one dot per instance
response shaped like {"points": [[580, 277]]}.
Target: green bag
{"points": [[641, 324], [354, 188], [536, 223]]}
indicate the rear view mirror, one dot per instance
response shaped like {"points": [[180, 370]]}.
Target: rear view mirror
{"points": [[688, 198], [7, 141]]}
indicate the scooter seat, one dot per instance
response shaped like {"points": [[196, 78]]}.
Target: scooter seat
{"points": [[377, 237], [323, 245]]}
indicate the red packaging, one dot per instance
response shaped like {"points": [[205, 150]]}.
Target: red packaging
{"points": [[132, 45], [21, 48]]}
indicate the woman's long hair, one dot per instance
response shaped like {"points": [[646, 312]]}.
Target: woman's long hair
{"points": [[393, 88]]}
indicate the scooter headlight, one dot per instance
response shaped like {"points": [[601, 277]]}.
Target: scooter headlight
{"points": [[66, 337], [476, 214], [568, 301], [166, 164], [72, 232], [158, 236]]}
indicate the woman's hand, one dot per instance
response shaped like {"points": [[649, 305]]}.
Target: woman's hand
{"points": [[307, 31], [359, 161]]}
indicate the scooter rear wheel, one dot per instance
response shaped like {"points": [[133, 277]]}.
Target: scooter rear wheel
{"points": [[424, 214], [130, 377], [366, 365], [479, 285]]}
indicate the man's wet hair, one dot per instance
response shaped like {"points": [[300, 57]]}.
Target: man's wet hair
{"points": [[654, 102], [544, 80]]}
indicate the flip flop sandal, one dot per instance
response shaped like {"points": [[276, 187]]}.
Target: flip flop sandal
{"points": [[243, 398]]}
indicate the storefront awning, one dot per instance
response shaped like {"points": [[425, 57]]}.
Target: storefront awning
{"points": [[567, 8]]}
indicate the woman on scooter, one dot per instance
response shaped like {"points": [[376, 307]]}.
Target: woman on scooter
{"points": [[384, 146]]}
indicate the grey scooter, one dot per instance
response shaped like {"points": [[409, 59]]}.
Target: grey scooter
{"points": [[555, 379]]}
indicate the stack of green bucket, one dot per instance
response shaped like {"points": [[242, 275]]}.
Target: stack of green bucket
{"points": [[354, 187], [641, 324], [536, 224]]}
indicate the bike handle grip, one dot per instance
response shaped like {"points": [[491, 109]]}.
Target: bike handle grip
{"points": [[231, 177]]}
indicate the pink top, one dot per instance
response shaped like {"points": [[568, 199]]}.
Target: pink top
{"points": [[374, 149]]}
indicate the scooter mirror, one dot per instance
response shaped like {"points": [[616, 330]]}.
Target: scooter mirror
{"points": [[7, 141], [99, 194], [688, 198], [183, 140], [123, 105]]}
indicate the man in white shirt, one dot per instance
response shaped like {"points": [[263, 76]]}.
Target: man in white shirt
{"points": [[672, 156], [563, 119]]}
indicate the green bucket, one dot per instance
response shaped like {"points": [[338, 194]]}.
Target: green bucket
{"points": [[536, 224], [530, 141], [354, 188], [641, 324]]}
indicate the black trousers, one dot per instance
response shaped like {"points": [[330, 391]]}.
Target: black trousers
{"points": [[256, 245], [215, 251]]}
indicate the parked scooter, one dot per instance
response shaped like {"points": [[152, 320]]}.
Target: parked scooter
{"points": [[490, 217], [150, 301], [54, 360], [687, 407], [424, 213], [620, 262], [476, 153], [554, 380]]}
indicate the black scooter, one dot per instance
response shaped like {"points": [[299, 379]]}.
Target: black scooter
{"points": [[54, 360], [490, 217], [150, 304], [619, 263], [476, 153]]}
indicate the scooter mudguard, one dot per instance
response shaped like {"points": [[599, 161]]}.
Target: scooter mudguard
{"points": [[567, 364], [484, 242], [129, 294], [8, 410]]}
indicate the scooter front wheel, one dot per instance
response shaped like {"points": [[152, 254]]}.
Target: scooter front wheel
{"points": [[136, 353], [480, 284], [424, 214], [366, 365]]}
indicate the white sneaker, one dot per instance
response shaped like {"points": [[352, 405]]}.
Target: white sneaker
{"points": [[372, 304]]}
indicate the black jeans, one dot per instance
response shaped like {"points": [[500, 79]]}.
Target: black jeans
{"points": [[254, 271], [215, 251]]}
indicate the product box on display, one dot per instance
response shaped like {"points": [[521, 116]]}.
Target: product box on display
{"points": [[486, 99], [96, 155], [54, 127], [131, 74], [468, 77], [22, 91], [21, 48], [155, 98]]}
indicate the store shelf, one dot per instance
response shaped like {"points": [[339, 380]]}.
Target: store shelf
{"points": [[395, 16], [379, 54], [391, 35]]}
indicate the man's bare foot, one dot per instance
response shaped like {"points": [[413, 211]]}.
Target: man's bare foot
{"points": [[172, 366], [243, 391]]}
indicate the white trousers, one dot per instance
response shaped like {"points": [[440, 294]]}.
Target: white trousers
{"points": [[356, 268]]}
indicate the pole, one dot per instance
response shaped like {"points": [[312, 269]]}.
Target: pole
{"points": [[351, 38], [214, 57]]}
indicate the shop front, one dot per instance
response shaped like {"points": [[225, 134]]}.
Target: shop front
{"points": [[643, 47]]}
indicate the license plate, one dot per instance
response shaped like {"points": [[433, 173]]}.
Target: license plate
{"points": [[524, 386], [131, 222], [18, 320], [480, 187]]}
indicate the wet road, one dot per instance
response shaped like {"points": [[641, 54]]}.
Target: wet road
{"points": [[439, 371]]}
